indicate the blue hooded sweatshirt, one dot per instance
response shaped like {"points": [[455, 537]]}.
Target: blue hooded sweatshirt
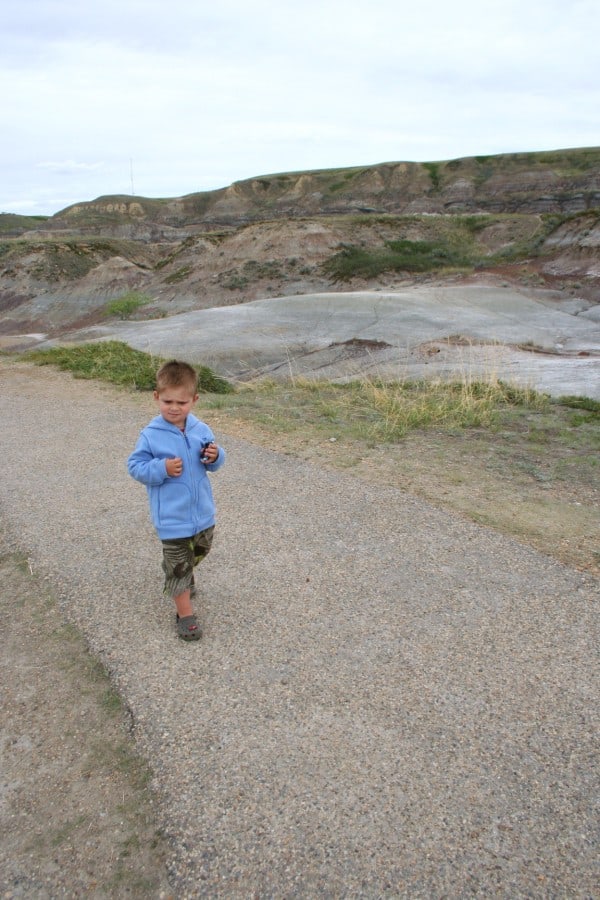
{"points": [[182, 506]]}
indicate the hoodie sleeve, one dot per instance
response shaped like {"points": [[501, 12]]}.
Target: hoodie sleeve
{"points": [[144, 466]]}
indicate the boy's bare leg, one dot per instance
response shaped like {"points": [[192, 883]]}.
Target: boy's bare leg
{"points": [[183, 604]]}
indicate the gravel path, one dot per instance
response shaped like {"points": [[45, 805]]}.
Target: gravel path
{"points": [[388, 701]]}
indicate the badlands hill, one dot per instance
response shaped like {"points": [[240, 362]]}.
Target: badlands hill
{"points": [[524, 219]]}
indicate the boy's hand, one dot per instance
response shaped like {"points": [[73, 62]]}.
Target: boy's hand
{"points": [[210, 453], [174, 467]]}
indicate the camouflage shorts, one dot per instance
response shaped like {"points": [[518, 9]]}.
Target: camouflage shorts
{"points": [[180, 555]]}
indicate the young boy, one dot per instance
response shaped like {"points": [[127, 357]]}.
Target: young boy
{"points": [[173, 454]]}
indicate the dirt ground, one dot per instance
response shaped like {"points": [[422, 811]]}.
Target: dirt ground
{"points": [[76, 814], [76, 817]]}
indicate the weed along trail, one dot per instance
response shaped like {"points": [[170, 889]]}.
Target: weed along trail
{"points": [[388, 700]]}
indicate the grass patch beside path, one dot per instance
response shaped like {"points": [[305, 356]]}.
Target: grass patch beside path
{"points": [[373, 411], [117, 363]]}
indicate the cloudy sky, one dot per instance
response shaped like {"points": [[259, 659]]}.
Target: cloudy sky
{"points": [[162, 98]]}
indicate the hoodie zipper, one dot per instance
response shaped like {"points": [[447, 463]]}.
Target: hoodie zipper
{"points": [[194, 482]]}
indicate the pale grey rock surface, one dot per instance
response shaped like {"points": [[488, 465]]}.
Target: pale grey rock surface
{"points": [[343, 335]]}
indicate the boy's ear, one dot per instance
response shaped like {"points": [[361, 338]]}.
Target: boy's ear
{"points": [[196, 397], [155, 395]]}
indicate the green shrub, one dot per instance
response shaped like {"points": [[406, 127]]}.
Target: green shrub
{"points": [[434, 174], [394, 256], [211, 383], [118, 363], [123, 307], [580, 403]]}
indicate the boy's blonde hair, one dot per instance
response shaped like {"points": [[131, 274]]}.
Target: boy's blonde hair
{"points": [[176, 374]]}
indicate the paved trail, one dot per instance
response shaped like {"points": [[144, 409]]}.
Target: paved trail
{"points": [[388, 700]]}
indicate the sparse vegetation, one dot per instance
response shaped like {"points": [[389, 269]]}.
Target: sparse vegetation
{"points": [[180, 275], [117, 363], [582, 403], [13, 224], [69, 260], [252, 271], [434, 174], [376, 411], [124, 307], [184, 245], [270, 268], [394, 256], [448, 243], [53, 260], [234, 281]]}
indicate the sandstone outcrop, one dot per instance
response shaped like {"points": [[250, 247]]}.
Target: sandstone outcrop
{"points": [[531, 218]]}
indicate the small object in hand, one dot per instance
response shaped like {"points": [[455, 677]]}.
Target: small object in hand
{"points": [[203, 457]]}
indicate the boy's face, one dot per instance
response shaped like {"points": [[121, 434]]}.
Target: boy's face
{"points": [[174, 404]]}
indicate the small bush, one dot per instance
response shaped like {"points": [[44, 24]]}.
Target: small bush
{"points": [[123, 307], [434, 174], [211, 383], [235, 282]]}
